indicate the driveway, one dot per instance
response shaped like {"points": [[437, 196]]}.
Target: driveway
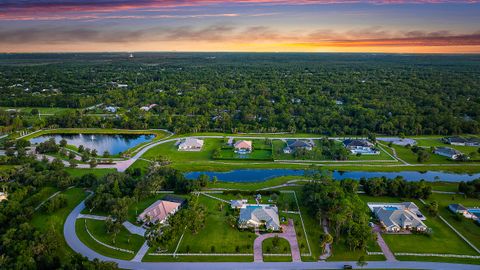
{"points": [[383, 246], [287, 234]]}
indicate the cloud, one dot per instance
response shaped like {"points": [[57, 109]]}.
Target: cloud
{"points": [[54, 9], [231, 34]]}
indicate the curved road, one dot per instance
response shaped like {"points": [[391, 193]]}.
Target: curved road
{"points": [[74, 242]]}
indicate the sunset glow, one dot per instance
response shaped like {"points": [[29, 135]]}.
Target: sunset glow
{"points": [[416, 26]]}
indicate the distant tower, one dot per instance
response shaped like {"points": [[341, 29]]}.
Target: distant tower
{"points": [[131, 55]]}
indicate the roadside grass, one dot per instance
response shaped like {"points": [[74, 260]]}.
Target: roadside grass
{"points": [[7, 167], [438, 259], [153, 258], [124, 238], [217, 233], [91, 243], [56, 220], [255, 185], [277, 258], [282, 247], [467, 227], [340, 252], [256, 154]]}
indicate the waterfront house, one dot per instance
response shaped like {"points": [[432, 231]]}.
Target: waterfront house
{"points": [[448, 152], [396, 217]]}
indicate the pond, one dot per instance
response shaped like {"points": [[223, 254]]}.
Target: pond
{"points": [[113, 143], [260, 175]]}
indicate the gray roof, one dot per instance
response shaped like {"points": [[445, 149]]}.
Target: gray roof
{"points": [[355, 143], [400, 218], [447, 151], [300, 144], [269, 214]]}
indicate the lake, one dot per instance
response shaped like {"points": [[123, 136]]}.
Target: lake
{"points": [[260, 175], [113, 143]]}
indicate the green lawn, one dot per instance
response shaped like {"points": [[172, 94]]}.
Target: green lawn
{"points": [[169, 150], [277, 258], [56, 220], [256, 154], [90, 242], [153, 258], [466, 227], [437, 259], [217, 233], [282, 247], [40, 196], [124, 239]]}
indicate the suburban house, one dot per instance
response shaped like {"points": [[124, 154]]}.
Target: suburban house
{"points": [[297, 144], [448, 152], [159, 211], [191, 144], [111, 109], [462, 141], [256, 216], [362, 146], [243, 147], [396, 217], [148, 107]]}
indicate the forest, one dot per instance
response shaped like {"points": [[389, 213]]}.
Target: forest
{"points": [[331, 94]]}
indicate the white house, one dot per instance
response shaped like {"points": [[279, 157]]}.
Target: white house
{"points": [[191, 144], [361, 146], [255, 216]]}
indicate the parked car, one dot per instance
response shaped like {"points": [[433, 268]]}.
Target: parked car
{"points": [[347, 266]]}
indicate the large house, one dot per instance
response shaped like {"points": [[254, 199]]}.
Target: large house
{"points": [[159, 211], [243, 147], [462, 141], [457, 208], [396, 217], [256, 216], [362, 146], [297, 144], [191, 144], [448, 152]]}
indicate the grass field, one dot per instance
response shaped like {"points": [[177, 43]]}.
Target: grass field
{"points": [[217, 233], [124, 239], [41, 110], [82, 234], [55, 220], [466, 227], [75, 172], [153, 258]]}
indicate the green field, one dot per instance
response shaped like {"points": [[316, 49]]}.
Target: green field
{"points": [[55, 220], [217, 233], [41, 110], [82, 234], [282, 247]]}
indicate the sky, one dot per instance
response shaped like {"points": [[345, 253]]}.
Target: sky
{"points": [[390, 26]]}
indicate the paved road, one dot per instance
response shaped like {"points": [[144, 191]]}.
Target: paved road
{"points": [[74, 242]]}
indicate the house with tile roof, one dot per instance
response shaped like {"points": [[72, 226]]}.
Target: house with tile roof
{"points": [[159, 212], [243, 147], [396, 217]]}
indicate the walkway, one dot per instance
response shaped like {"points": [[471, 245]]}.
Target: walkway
{"points": [[141, 253], [213, 197], [328, 249], [287, 234], [49, 198], [383, 246]]}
